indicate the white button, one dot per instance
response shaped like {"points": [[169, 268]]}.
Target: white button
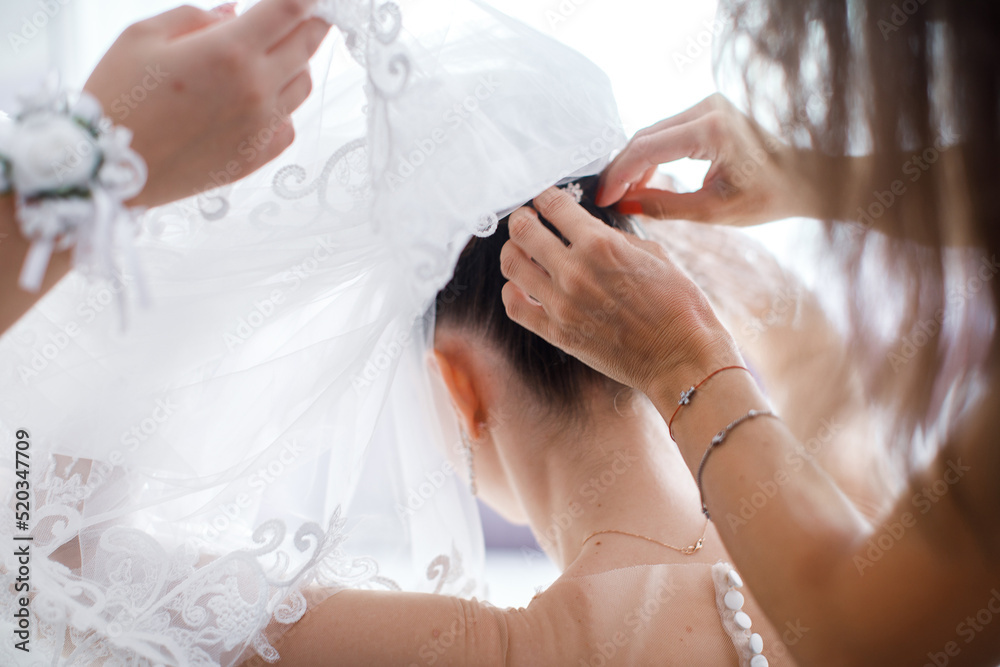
{"points": [[734, 600], [758, 661], [756, 643], [742, 620], [734, 579]]}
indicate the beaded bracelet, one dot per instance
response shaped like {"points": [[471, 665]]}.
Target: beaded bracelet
{"points": [[720, 438], [687, 395]]}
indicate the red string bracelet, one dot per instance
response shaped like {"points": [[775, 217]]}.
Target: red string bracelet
{"points": [[686, 395]]}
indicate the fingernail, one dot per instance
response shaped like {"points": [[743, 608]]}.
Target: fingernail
{"points": [[629, 207], [226, 9], [597, 196]]}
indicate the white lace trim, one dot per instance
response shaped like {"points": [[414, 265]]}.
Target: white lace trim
{"points": [[133, 602]]}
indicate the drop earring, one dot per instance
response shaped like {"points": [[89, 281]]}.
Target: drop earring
{"points": [[470, 458]]}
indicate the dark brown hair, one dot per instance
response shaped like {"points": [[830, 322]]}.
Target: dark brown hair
{"points": [[899, 80], [472, 300]]}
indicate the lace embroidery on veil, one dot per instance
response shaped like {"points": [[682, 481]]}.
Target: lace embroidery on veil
{"points": [[199, 538], [137, 603]]}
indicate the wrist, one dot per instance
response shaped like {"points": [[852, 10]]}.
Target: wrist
{"points": [[676, 376], [719, 400]]}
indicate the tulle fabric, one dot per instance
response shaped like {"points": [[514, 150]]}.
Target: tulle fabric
{"points": [[271, 430]]}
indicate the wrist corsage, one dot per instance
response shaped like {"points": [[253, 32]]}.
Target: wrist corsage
{"points": [[71, 172]]}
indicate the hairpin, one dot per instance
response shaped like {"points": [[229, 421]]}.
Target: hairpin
{"points": [[574, 190]]}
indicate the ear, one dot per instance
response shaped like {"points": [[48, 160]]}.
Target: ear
{"points": [[458, 378]]}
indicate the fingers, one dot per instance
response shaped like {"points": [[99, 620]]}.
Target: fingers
{"points": [[714, 102], [665, 205], [225, 11], [571, 219], [652, 150], [295, 93], [606, 196], [268, 22], [517, 267], [292, 54], [181, 21], [534, 239], [521, 310]]}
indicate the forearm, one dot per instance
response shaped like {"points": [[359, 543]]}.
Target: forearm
{"points": [[13, 250], [868, 595], [785, 523]]}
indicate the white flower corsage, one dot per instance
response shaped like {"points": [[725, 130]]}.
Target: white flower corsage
{"points": [[71, 171]]}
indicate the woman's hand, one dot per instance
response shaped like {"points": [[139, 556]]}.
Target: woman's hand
{"points": [[207, 94], [616, 303], [754, 178]]}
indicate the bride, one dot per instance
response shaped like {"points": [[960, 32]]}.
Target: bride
{"points": [[584, 461]]}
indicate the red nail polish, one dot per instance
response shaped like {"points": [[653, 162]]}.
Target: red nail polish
{"points": [[629, 207]]}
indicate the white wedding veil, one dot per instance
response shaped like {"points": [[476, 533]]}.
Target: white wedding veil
{"points": [[270, 431]]}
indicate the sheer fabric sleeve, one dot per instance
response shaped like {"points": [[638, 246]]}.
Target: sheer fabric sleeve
{"points": [[388, 628]]}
